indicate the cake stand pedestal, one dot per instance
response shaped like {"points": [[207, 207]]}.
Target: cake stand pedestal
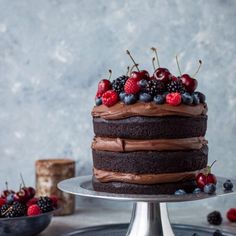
{"points": [[149, 215]]}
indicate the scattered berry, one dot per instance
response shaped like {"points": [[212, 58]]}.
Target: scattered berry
{"points": [[175, 86], [180, 192], [231, 214], [34, 210], [98, 101], [45, 204], [132, 86], [214, 218], [130, 99], [187, 99], [110, 98], [173, 99], [209, 188], [197, 190], [196, 99], [228, 185], [145, 97], [159, 99], [119, 83], [155, 87], [217, 233]]}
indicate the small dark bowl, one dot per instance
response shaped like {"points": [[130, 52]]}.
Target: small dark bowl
{"points": [[25, 225]]}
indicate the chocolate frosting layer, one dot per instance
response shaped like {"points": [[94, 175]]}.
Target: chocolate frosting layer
{"points": [[129, 145], [120, 110], [110, 176]]}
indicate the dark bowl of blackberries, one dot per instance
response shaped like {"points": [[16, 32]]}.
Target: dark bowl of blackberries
{"points": [[14, 220]]}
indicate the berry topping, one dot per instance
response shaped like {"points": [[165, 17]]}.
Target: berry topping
{"points": [[130, 99], [228, 185], [173, 99], [196, 99], [45, 204], [34, 210], [119, 83], [231, 214], [187, 98], [159, 99], [110, 98], [189, 83], [214, 218], [201, 97], [145, 97], [132, 86], [104, 85], [175, 86], [98, 101], [122, 96], [155, 87], [209, 188], [10, 198], [180, 192], [142, 83]]}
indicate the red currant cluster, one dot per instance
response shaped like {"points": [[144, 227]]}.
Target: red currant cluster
{"points": [[161, 87], [24, 202]]}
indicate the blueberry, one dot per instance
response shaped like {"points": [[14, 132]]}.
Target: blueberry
{"points": [[209, 188], [195, 234], [228, 185], [142, 83], [201, 97], [10, 198], [98, 101], [145, 97], [187, 98], [130, 99], [196, 99], [197, 190], [218, 233], [180, 192], [122, 96], [159, 99]]}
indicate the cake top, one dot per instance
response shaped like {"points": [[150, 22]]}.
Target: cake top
{"points": [[161, 88]]}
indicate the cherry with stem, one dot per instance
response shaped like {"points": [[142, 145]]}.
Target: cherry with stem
{"points": [[177, 61], [136, 65], [199, 66], [157, 58]]}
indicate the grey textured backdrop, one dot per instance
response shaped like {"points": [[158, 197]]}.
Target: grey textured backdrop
{"points": [[54, 52]]}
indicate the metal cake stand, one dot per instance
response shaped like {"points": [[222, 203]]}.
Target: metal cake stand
{"points": [[149, 215]]}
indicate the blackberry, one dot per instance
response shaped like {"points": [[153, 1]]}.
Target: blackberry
{"points": [[175, 86], [155, 87], [218, 233], [45, 204], [15, 210], [214, 218], [119, 83]]}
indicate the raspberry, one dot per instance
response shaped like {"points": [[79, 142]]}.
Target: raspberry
{"points": [[132, 86], [54, 199], [32, 201], [173, 99], [2, 202], [119, 83], [34, 210], [214, 218], [231, 214], [110, 98]]}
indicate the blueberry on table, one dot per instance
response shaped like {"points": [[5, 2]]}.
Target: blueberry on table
{"points": [[209, 188], [228, 185]]}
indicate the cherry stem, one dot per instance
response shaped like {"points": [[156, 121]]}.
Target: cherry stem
{"points": [[132, 69], [20, 187], [177, 61], [153, 63], [22, 180], [199, 66], [136, 65], [127, 73], [6, 184], [155, 51], [213, 163], [110, 73]]}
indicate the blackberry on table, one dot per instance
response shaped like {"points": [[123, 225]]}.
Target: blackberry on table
{"points": [[175, 86], [214, 218], [155, 87], [45, 204], [119, 83]]}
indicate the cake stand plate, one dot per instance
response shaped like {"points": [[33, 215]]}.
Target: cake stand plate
{"points": [[149, 215]]}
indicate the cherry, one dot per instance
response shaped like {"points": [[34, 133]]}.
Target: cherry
{"points": [[206, 177], [140, 74], [161, 74], [6, 192], [104, 85], [29, 191]]}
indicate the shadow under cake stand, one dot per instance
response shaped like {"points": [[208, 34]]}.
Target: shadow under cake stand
{"points": [[149, 216]]}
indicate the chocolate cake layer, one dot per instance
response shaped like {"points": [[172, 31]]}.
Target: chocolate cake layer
{"points": [[151, 162], [126, 188], [151, 127]]}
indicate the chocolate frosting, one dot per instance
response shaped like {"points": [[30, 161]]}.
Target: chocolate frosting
{"points": [[110, 176], [129, 145], [120, 110]]}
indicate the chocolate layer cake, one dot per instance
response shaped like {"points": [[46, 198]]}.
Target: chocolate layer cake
{"points": [[149, 133]]}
